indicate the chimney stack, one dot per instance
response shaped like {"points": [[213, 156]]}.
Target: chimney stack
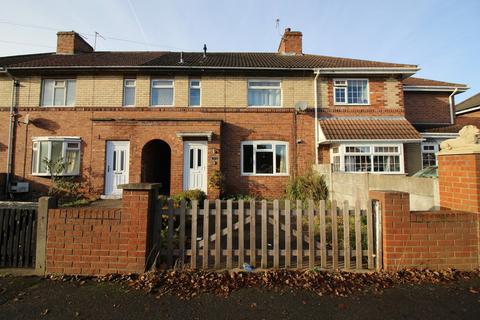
{"points": [[70, 42], [291, 43]]}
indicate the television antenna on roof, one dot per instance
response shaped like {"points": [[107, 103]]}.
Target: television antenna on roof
{"points": [[95, 43]]}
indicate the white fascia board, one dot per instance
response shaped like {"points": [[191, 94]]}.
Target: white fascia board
{"points": [[371, 70], [467, 110], [373, 140], [435, 88], [439, 134]]}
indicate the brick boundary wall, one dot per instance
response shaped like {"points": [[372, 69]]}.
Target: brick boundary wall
{"points": [[437, 240], [93, 241]]}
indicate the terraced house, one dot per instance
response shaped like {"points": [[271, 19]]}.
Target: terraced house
{"points": [[180, 117]]}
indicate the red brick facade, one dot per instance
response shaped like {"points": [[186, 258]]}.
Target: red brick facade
{"points": [[437, 240], [427, 107], [99, 240], [96, 126]]}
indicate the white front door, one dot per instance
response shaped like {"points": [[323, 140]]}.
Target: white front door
{"points": [[195, 165], [116, 167]]}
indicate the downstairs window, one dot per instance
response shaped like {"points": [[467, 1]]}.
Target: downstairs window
{"points": [[264, 158], [374, 158], [63, 154]]}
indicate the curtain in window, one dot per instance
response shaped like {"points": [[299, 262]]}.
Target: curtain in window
{"points": [[162, 96], [264, 97], [281, 158], [47, 94], [42, 167], [71, 89], [72, 161]]}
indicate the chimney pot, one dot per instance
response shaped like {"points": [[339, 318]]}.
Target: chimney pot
{"points": [[291, 42], [70, 42]]}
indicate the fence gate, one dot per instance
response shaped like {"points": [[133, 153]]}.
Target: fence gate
{"points": [[276, 234], [18, 227]]}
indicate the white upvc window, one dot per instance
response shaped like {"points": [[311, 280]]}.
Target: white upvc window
{"points": [[367, 157], [194, 93], [351, 92], [429, 154], [162, 93], [265, 93], [58, 93], [264, 158], [129, 86], [63, 151]]}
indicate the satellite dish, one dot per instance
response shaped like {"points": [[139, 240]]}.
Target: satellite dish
{"points": [[301, 106]]}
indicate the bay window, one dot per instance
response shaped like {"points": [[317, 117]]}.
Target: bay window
{"points": [[58, 92], [64, 152], [264, 93], [373, 158], [264, 158], [351, 91], [162, 93]]}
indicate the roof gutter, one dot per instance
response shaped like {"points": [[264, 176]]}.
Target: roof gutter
{"points": [[435, 88], [471, 109]]}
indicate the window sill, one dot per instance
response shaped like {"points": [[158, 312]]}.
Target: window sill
{"points": [[389, 173], [162, 106], [265, 175], [57, 106], [58, 175], [352, 104], [266, 107]]}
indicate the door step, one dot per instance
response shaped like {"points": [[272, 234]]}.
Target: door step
{"points": [[110, 196]]}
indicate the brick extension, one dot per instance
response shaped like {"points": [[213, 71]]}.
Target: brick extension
{"points": [[100, 240]]}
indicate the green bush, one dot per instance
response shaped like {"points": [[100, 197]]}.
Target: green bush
{"points": [[310, 186], [188, 196]]}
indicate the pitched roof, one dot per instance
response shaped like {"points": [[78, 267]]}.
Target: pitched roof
{"points": [[192, 59], [471, 102], [412, 81], [342, 129]]}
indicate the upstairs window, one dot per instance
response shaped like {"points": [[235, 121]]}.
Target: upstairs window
{"points": [[58, 92], [129, 92], [62, 153], [264, 93], [351, 91], [162, 93], [264, 158], [194, 93]]}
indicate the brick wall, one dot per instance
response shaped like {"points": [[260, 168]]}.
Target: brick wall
{"points": [[99, 240], [427, 107], [459, 181], [436, 240]]}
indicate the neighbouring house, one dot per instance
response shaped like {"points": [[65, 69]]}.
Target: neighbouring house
{"points": [[468, 111], [178, 118]]}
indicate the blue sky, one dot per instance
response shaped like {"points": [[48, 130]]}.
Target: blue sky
{"points": [[441, 36]]}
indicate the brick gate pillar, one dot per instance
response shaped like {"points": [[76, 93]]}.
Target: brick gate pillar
{"points": [[459, 179], [137, 201]]}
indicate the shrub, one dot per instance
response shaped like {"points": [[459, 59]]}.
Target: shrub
{"points": [[65, 188], [311, 186], [217, 181], [188, 196]]}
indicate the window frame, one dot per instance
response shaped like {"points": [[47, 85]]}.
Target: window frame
{"points": [[164, 87], [346, 92], [65, 141], [189, 92], [436, 149], [342, 154], [274, 143], [280, 87], [125, 89], [64, 105]]}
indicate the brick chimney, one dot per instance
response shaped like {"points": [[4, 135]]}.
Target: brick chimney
{"points": [[70, 42], [291, 42]]}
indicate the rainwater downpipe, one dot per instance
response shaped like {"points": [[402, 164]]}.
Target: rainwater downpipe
{"points": [[452, 112], [15, 84], [315, 92]]}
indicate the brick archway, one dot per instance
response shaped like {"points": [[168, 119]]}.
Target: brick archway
{"points": [[156, 164]]}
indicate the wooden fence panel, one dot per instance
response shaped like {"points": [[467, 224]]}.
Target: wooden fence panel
{"points": [[223, 235], [18, 237]]}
